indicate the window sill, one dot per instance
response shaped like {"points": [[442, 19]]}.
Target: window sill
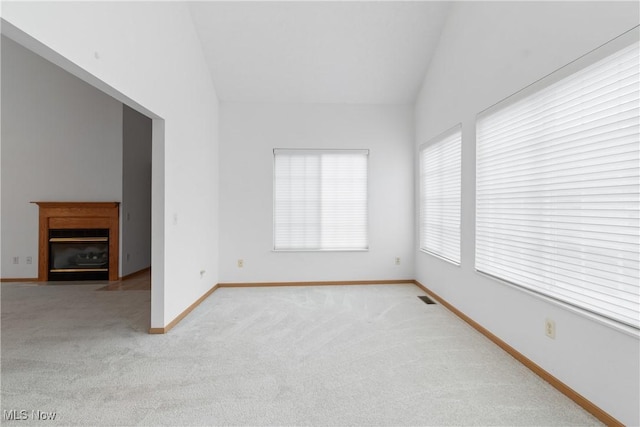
{"points": [[433, 254], [620, 327]]}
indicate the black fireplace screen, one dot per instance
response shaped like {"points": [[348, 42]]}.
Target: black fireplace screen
{"points": [[79, 254]]}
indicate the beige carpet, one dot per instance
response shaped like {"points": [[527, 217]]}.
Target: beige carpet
{"points": [[331, 355]]}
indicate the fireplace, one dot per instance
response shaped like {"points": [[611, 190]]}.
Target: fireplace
{"points": [[79, 254], [78, 241]]}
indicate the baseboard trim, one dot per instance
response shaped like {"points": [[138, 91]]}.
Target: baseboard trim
{"points": [[184, 314], [559, 385], [135, 273], [324, 283]]}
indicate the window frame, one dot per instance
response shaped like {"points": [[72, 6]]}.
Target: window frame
{"points": [[613, 46], [455, 131], [320, 151]]}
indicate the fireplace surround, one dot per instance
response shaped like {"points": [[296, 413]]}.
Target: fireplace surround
{"points": [[78, 241]]}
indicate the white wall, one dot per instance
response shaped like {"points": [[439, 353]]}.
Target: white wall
{"points": [[488, 51], [61, 141], [249, 133], [136, 192], [148, 55]]}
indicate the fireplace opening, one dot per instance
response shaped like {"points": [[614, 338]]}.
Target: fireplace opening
{"points": [[79, 254]]}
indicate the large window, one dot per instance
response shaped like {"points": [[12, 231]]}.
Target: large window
{"points": [[558, 187], [440, 195], [320, 200]]}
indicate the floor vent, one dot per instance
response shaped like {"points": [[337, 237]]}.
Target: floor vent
{"points": [[426, 300]]}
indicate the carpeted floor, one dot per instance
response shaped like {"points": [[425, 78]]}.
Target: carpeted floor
{"points": [[331, 355]]}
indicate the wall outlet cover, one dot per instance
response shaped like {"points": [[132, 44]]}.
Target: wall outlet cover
{"points": [[550, 328]]}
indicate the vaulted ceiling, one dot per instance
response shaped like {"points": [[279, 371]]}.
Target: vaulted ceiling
{"points": [[371, 52]]}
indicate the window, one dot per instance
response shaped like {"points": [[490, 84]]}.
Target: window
{"points": [[320, 200], [558, 187], [440, 195]]}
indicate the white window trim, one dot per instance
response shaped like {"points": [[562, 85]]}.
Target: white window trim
{"points": [[606, 49], [621, 327], [318, 150], [457, 129], [582, 62]]}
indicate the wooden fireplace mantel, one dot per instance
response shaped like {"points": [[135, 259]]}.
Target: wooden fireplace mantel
{"points": [[61, 215]]}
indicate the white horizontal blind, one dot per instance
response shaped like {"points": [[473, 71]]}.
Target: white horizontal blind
{"points": [[320, 199], [440, 171], [558, 189]]}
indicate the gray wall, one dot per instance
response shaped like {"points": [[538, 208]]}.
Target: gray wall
{"points": [[61, 141], [136, 191]]}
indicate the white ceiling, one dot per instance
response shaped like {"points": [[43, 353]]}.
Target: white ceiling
{"points": [[371, 52]]}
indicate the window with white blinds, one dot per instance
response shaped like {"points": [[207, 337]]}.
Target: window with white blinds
{"points": [[558, 188], [320, 200], [440, 171]]}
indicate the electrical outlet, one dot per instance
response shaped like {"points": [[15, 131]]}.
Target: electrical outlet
{"points": [[240, 263], [16, 260], [202, 273], [550, 328], [29, 260], [397, 260]]}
